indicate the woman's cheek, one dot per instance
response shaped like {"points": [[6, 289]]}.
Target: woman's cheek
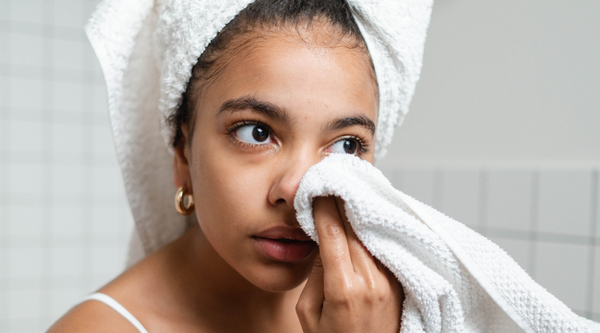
{"points": [[234, 192]]}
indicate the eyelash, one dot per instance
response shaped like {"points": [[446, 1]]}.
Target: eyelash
{"points": [[363, 146], [231, 129]]}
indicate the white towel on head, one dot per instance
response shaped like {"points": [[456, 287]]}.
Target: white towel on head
{"points": [[454, 279], [147, 49]]}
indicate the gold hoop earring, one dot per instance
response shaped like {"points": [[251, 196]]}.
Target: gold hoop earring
{"points": [[180, 202]]}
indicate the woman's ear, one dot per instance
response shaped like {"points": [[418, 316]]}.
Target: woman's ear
{"points": [[181, 165]]}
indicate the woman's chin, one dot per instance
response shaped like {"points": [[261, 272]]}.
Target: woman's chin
{"points": [[281, 278]]}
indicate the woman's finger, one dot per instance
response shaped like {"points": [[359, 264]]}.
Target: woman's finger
{"points": [[333, 244], [310, 303], [362, 260]]}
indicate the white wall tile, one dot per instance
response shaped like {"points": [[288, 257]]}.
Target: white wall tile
{"points": [[25, 220], [26, 93], [68, 54], [106, 180], [67, 261], [68, 13], [68, 178], [25, 304], [26, 50], [68, 96], [4, 12], [89, 7], [63, 299], [509, 199], [3, 217], [107, 261], [419, 184], [3, 308], [103, 140], [25, 178], [30, 11], [101, 101], [25, 326], [4, 95], [68, 138], [25, 262], [564, 202], [89, 57], [562, 269], [106, 220], [4, 45], [460, 195], [25, 136], [67, 220], [516, 248]]}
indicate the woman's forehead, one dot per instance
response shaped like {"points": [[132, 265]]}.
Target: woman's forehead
{"points": [[295, 74]]}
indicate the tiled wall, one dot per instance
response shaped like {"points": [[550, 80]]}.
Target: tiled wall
{"points": [[545, 218], [64, 220], [63, 217]]}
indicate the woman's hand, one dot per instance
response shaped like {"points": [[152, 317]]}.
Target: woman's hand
{"points": [[348, 290]]}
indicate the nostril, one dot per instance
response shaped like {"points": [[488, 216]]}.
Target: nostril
{"points": [[280, 200]]}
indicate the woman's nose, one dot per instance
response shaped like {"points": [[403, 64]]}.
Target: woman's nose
{"points": [[287, 179]]}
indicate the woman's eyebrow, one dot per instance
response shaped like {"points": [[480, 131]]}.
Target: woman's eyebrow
{"points": [[360, 120], [244, 103], [280, 114]]}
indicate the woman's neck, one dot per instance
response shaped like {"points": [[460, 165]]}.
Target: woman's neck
{"points": [[203, 285]]}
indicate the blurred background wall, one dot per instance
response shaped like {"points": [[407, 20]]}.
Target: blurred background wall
{"points": [[509, 82], [64, 220], [503, 135]]}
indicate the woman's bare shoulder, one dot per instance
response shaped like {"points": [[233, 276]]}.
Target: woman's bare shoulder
{"points": [[92, 316]]}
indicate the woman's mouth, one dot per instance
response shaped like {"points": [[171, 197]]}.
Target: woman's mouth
{"points": [[284, 244]]}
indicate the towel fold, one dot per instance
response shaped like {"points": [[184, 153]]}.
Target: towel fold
{"points": [[454, 279]]}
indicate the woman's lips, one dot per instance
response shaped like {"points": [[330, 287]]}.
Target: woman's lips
{"points": [[284, 244], [284, 249]]}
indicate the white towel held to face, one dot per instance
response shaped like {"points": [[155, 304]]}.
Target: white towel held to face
{"points": [[454, 279]]}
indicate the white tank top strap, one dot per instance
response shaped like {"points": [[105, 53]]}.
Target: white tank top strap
{"points": [[117, 307]]}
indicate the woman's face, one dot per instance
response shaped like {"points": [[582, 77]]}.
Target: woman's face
{"points": [[278, 106]]}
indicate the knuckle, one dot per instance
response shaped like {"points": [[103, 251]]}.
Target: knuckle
{"points": [[302, 308], [318, 263], [332, 229], [346, 293], [381, 295]]}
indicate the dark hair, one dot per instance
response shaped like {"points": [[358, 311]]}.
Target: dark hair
{"points": [[261, 15]]}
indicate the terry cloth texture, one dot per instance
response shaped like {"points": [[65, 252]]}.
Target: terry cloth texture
{"points": [[147, 49], [454, 279]]}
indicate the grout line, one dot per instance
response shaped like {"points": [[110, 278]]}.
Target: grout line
{"points": [[482, 204], [36, 29], [542, 236], [48, 159], [88, 161], [4, 239], [589, 302], [533, 223], [65, 75]]}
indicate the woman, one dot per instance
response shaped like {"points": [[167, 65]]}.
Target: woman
{"points": [[284, 84]]}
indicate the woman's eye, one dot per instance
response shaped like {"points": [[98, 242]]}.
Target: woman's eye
{"points": [[345, 146], [254, 134]]}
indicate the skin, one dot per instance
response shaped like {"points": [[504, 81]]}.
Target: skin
{"points": [[213, 279]]}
